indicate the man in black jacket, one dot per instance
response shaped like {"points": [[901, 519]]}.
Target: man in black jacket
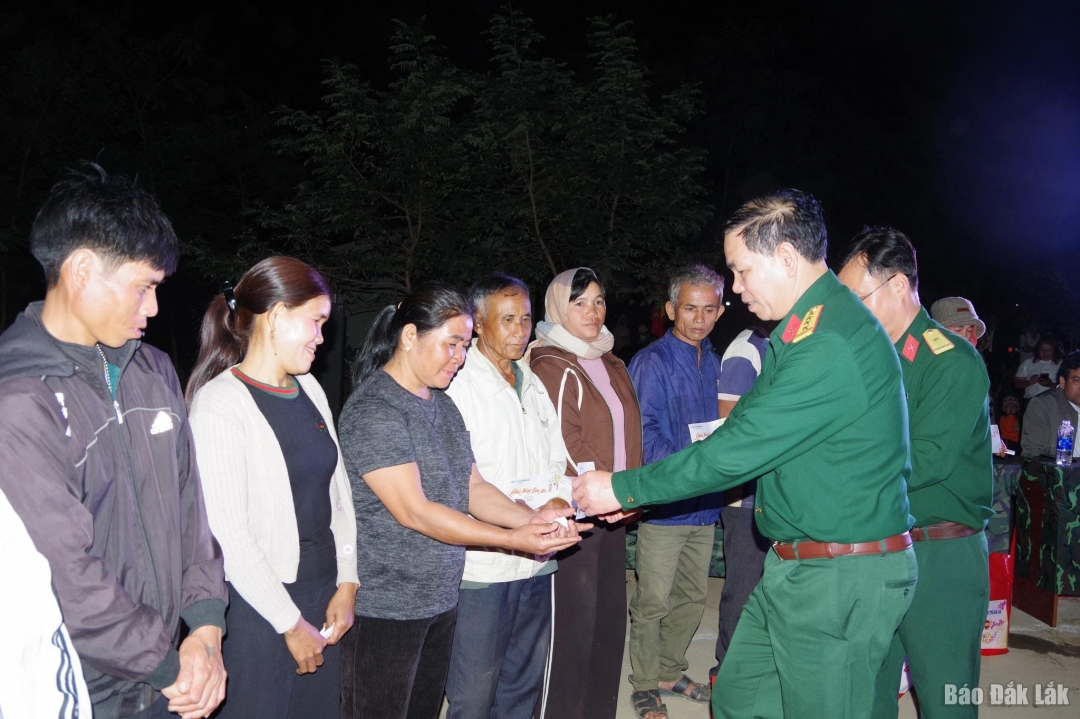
{"points": [[97, 457], [1046, 412]]}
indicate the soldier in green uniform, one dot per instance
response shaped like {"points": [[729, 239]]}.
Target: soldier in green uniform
{"points": [[951, 484], [825, 432]]}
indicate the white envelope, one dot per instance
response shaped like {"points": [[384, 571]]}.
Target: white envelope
{"points": [[701, 430]]}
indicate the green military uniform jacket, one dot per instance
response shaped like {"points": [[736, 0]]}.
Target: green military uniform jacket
{"points": [[952, 473], [824, 428]]}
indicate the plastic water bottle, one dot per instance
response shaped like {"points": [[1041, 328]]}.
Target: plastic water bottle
{"points": [[1065, 444]]}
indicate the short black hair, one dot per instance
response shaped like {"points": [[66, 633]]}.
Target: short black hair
{"points": [[1069, 363], [108, 215], [582, 279], [783, 216], [887, 251], [495, 283]]}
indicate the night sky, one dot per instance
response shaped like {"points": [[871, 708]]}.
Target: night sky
{"points": [[958, 123], [985, 95]]}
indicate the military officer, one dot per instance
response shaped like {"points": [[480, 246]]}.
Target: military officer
{"points": [[825, 431], [951, 484]]}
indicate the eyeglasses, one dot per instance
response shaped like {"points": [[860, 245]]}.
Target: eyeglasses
{"points": [[863, 297]]}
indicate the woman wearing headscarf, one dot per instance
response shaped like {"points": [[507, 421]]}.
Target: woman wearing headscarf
{"points": [[601, 423]]}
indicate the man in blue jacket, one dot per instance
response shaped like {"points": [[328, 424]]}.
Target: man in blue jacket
{"points": [[676, 383]]}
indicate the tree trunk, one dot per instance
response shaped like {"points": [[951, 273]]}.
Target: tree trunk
{"points": [[532, 203]]}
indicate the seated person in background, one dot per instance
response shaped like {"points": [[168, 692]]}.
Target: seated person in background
{"points": [[1036, 375], [1009, 424], [1047, 411]]}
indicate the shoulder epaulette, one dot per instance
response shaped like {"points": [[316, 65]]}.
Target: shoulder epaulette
{"points": [[936, 341], [809, 324]]}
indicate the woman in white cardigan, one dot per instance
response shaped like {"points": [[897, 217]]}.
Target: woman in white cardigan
{"points": [[277, 495]]}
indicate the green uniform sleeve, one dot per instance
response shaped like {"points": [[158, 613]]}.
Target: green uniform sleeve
{"points": [[814, 390], [952, 400]]}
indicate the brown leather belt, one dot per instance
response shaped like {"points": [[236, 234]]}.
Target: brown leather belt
{"points": [[829, 550], [942, 530]]}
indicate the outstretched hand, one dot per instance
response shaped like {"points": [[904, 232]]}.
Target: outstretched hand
{"points": [[594, 495], [538, 536], [623, 516]]}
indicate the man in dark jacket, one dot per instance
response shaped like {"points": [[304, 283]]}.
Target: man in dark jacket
{"points": [[98, 459], [1046, 412]]}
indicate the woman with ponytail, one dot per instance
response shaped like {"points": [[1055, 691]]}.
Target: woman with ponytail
{"points": [[277, 495], [419, 501]]}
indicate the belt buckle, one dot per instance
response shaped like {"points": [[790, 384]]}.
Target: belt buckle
{"points": [[774, 546]]}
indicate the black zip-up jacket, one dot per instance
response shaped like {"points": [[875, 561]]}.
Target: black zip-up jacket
{"points": [[110, 494]]}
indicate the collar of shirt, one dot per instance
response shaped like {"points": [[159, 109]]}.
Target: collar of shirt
{"points": [[679, 345], [920, 324], [490, 374], [815, 295]]}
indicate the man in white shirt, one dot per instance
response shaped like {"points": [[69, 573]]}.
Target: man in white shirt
{"points": [[503, 627]]}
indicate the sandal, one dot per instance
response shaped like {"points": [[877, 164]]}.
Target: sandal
{"points": [[648, 705], [687, 688]]}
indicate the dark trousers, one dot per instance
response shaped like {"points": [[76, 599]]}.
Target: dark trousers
{"points": [[158, 710], [744, 560], [263, 683], [589, 627], [396, 669], [500, 649]]}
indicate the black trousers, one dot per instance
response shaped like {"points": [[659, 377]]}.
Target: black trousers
{"points": [[396, 669], [263, 683], [589, 628], [744, 561]]}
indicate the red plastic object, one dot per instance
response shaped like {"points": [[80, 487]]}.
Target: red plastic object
{"points": [[999, 614]]}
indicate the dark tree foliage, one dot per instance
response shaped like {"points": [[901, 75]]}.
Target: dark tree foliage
{"points": [[530, 168]]}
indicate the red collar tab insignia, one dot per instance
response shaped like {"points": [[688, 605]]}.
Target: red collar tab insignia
{"points": [[911, 348], [809, 324], [792, 327], [936, 341]]}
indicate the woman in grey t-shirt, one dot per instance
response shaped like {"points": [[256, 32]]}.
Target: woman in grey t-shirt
{"points": [[415, 485]]}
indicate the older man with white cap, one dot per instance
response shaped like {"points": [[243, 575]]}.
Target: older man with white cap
{"points": [[959, 316]]}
